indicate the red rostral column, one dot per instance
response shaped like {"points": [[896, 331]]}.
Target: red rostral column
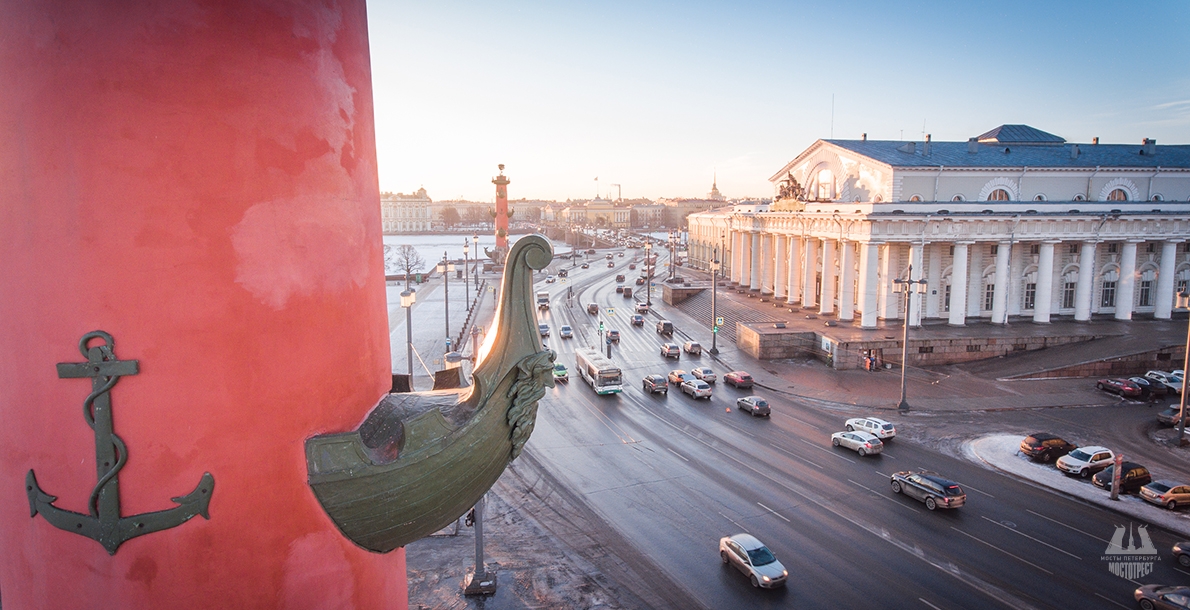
{"points": [[501, 212], [197, 180]]}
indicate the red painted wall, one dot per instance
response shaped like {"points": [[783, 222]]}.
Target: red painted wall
{"points": [[199, 180]]}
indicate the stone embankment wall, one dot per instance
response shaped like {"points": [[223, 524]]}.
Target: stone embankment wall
{"points": [[1162, 359]]}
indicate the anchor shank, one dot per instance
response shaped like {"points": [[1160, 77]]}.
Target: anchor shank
{"points": [[107, 504]]}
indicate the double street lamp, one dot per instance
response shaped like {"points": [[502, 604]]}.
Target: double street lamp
{"points": [[714, 310], [475, 241], [909, 287], [1184, 303], [408, 297], [649, 267], [466, 279], [446, 268]]}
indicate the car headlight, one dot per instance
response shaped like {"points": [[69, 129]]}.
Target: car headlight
{"points": [[766, 578], [784, 572]]}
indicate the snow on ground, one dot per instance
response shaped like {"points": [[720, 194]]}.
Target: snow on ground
{"points": [[1002, 452]]}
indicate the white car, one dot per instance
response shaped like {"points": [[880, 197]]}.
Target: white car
{"points": [[876, 427], [543, 329], [862, 443], [1168, 379], [704, 373], [550, 279], [696, 388], [566, 332], [1086, 461], [748, 555]]}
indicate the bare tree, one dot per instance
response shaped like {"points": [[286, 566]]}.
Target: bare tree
{"points": [[450, 216], [404, 257]]}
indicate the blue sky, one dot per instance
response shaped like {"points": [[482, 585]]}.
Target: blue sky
{"points": [[660, 96]]}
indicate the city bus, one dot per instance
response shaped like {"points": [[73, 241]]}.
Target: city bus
{"points": [[603, 374]]}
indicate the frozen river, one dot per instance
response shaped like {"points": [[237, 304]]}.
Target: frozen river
{"points": [[431, 247]]}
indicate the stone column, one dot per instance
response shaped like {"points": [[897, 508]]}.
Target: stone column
{"points": [[1000, 296], [1165, 276], [915, 258], [1045, 283], [828, 277], [958, 285], [974, 280], [810, 272], [766, 263], [869, 285], [754, 267], [1127, 285], [736, 252], [1086, 282], [846, 281], [934, 280], [779, 263], [745, 260], [794, 269], [886, 306]]}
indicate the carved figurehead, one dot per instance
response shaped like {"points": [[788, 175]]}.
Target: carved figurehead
{"points": [[421, 460]]}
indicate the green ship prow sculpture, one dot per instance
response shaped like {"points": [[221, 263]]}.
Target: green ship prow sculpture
{"points": [[421, 460]]}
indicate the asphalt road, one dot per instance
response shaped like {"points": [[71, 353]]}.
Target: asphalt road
{"points": [[671, 475]]}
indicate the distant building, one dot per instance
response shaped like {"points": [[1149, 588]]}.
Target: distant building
{"points": [[647, 215], [401, 213]]}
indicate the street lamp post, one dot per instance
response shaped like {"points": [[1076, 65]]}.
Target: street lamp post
{"points": [[714, 310], [1183, 303], [466, 278], [649, 280], [446, 267], [408, 297], [907, 286], [475, 241]]}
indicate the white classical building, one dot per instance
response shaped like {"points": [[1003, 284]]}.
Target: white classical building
{"points": [[1015, 222], [401, 213]]}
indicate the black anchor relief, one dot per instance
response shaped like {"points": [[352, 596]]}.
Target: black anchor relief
{"points": [[104, 524]]}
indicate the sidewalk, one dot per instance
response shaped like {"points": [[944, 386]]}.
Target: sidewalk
{"points": [[429, 314]]}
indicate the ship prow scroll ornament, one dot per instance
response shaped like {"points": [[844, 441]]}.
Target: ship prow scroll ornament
{"points": [[421, 460]]}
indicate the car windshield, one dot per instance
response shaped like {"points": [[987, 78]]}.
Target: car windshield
{"points": [[761, 556], [609, 378], [1079, 454], [565, 328], [561, 368]]}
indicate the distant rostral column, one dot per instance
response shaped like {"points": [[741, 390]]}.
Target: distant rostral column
{"points": [[502, 215]]}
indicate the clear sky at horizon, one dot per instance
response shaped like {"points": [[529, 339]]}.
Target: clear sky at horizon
{"points": [[660, 96]]}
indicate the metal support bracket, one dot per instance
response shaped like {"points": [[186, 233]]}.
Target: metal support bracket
{"points": [[104, 523]]}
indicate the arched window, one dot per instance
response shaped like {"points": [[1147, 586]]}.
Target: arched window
{"points": [[915, 198], [1079, 197], [957, 198], [826, 184], [1039, 197], [1117, 195], [998, 195], [1157, 197]]}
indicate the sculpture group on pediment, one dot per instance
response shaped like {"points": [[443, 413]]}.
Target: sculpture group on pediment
{"points": [[790, 189]]}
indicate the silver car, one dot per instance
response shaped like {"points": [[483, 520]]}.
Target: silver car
{"points": [[1166, 493], [748, 555], [755, 405], [543, 329], [930, 488], [696, 388], [704, 373], [860, 442]]}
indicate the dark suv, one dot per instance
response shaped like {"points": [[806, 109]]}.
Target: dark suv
{"points": [[1045, 447], [653, 384], [1133, 476]]}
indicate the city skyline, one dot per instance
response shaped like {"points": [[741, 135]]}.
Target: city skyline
{"points": [[662, 102]]}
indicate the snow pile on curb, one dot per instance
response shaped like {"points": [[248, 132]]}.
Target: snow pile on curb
{"points": [[1002, 452]]}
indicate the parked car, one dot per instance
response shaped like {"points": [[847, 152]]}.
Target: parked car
{"points": [[677, 376], [550, 279], [665, 327], [593, 308], [1181, 552], [696, 388], [620, 278], [755, 405], [1123, 387], [1045, 447], [1169, 494], [1149, 387], [566, 332], [704, 373], [876, 427], [586, 266], [671, 350], [560, 373], [619, 289], [1174, 384], [654, 384], [748, 555], [612, 335], [642, 308], [1161, 596], [1133, 476], [933, 490], [738, 379], [543, 329], [1169, 416], [638, 320], [861, 442], [1086, 461]]}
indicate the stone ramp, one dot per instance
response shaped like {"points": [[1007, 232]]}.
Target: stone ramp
{"points": [[1129, 352]]}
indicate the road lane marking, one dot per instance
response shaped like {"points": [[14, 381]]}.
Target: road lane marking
{"points": [[1001, 550], [772, 511], [677, 454], [882, 474], [830, 451], [1067, 526], [891, 457], [794, 455], [976, 490], [1112, 601], [893, 500], [742, 528], [1032, 538], [928, 603], [1183, 571]]}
